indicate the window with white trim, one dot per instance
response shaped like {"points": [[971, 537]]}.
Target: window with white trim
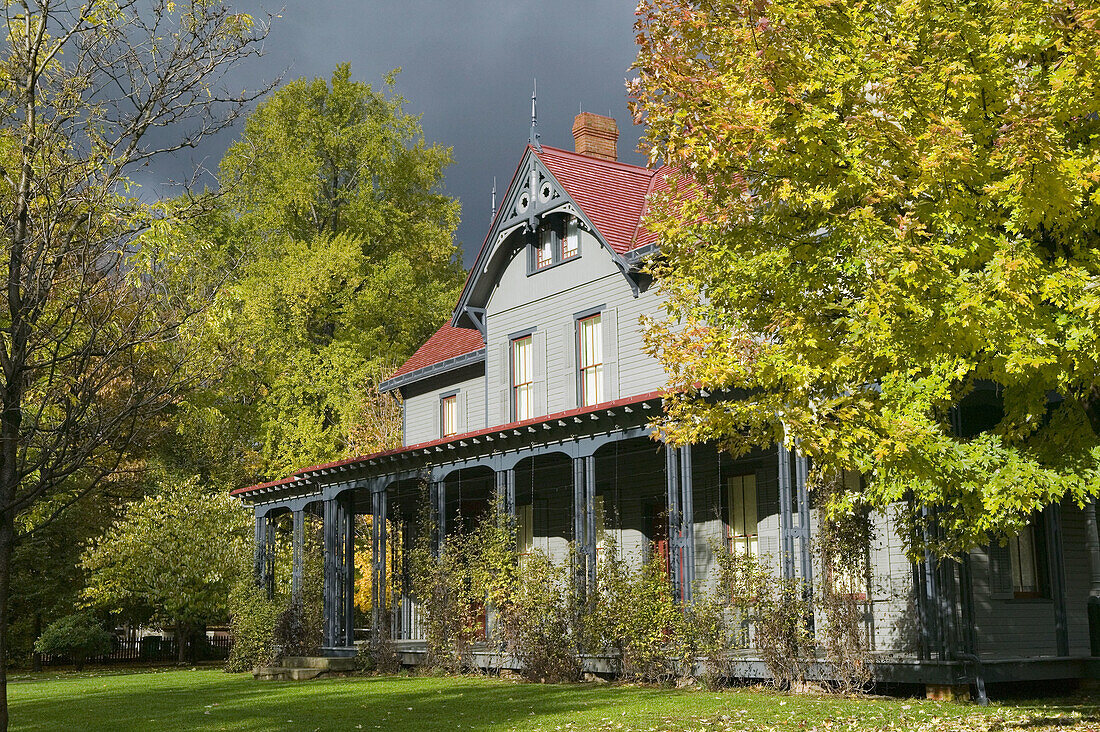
{"points": [[590, 359], [448, 415], [523, 388], [742, 519]]}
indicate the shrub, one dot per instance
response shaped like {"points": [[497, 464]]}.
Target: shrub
{"points": [[380, 655], [78, 636], [840, 547], [253, 618], [635, 614], [539, 621]]}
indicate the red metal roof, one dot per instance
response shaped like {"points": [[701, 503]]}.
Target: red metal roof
{"points": [[445, 343], [611, 194], [457, 438]]}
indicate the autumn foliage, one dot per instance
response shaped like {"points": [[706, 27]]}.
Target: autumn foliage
{"points": [[891, 255]]}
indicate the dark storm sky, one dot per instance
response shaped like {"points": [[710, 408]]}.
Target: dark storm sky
{"points": [[467, 68]]}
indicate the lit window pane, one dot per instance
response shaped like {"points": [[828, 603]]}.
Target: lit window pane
{"points": [[742, 520], [449, 415], [522, 388], [570, 244], [590, 357], [544, 252]]}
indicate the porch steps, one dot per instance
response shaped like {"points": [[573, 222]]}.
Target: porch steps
{"points": [[304, 668]]}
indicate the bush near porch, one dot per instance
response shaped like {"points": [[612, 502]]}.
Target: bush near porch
{"points": [[544, 620]]}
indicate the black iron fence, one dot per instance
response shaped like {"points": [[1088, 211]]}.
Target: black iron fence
{"points": [[150, 649]]}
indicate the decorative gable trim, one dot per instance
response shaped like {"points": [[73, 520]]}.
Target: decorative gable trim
{"points": [[533, 193]]}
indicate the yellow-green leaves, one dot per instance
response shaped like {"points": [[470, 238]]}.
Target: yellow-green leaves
{"points": [[904, 269]]}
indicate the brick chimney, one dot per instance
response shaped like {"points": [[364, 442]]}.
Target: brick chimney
{"points": [[596, 135]]}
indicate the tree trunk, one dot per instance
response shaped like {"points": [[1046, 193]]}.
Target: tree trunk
{"points": [[181, 643], [7, 540], [36, 657]]}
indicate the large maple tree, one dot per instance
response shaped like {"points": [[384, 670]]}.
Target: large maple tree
{"points": [[890, 253]]}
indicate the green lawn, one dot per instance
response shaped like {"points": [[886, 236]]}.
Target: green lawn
{"points": [[213, 700]]}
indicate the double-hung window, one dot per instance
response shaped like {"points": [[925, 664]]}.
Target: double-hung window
{"points": [[1025, 564], [590, 359], [743, 532], [522, 379], [448, 415]]}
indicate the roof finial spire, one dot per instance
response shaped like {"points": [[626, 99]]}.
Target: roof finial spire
{"points": [[493, 213], [534, 139]]}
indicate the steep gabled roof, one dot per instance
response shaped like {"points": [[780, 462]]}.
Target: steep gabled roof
{"points": [[611, 194], [458, 346]]}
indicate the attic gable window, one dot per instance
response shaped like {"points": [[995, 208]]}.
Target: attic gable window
{"points": [[557, 240], [544, 254], [571, 242]]}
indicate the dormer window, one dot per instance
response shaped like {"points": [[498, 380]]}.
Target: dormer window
{"points": [[558, 240], [571, 242], [544, 254]]}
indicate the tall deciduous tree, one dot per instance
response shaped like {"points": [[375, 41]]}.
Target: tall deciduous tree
{"points": [[335, 204], [896, 211], [91, 315]]}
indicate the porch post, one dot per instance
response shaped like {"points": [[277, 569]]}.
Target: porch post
{"points": [[379, 552], [590, 511], [675, 518], [331, 550], [439, 509], [1053, 517], [1092, 544], [297, 540], [687, 524], [348, 571], [265, 554], [786, 540], [580, 527], [506, 491], [802, 471]]}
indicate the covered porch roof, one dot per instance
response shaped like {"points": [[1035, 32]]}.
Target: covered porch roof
{"points": [[559, 427]]}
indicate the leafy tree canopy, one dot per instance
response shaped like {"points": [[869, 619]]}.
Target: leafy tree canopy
{"points": [[896, 212], [176, 553], [333, 203]]}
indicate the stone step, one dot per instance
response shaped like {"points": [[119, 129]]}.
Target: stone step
{"points": [[282, 673], [319, 662]]}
